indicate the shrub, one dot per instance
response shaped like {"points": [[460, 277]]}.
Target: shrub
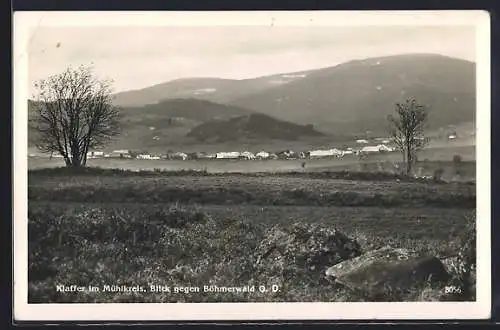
{"points": [[467, 259], [463, 266], [179, 246]]}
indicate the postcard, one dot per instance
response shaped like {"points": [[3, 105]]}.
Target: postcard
{"points": [[264, 165]]}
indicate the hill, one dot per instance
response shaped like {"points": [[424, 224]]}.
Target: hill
{"points": [[254, 126], [163, 123], [349, 98], [210, 89], [358, 95], [166, 112], [167, 123]]}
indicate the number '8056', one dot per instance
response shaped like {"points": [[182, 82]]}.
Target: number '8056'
{"points": [[452, 289]]}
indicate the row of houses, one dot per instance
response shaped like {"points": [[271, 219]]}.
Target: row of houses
{"points": [[244, 155], [247, 155]]}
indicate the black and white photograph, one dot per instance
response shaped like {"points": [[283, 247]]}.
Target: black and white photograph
{"points": [[215, 165]]}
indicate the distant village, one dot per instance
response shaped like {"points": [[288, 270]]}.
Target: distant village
{"points": [[363, 148]]}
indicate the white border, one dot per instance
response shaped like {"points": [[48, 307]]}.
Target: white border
{"points": [[23, 21]]}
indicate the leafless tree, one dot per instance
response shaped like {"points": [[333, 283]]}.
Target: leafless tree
{"points": [[72, 113], [407, 128]]}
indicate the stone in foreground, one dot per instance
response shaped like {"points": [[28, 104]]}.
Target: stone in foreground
{"points": [[389, 273], [302, 251]]}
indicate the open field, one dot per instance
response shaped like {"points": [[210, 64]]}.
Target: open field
{"points": [[125, 228], [249, 189]]}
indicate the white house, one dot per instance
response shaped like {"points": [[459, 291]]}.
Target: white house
{"points": [[325, 153], [247, 155], [92, 154], [337, 152], [148, 157], [370, 149], [378, 148], [318, 153], [119, 153], [383, 147], [262, 155], [227, 155], [180, 155]]}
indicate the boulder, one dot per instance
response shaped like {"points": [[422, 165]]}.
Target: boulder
{"points": [[389, 274], [302, 252]]}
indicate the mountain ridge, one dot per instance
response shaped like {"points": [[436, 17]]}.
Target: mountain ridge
{"points": [[348, 99], [359, 94], [218, 90]]}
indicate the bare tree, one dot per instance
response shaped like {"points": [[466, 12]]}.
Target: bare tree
{"points": [[406, 128], [73, 113]]}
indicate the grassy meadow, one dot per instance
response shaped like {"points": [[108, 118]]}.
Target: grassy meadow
{"points": [[192, 229]]}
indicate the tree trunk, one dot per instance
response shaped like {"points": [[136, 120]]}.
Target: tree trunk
{"points": [[76, 161], [409, 160], [76, 156], [404, 162]]}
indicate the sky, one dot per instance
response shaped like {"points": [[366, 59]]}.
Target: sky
{"points": [[138, 57]]}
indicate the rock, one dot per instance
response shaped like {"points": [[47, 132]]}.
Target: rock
{"points": [[302, 252], [389, 273]]}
